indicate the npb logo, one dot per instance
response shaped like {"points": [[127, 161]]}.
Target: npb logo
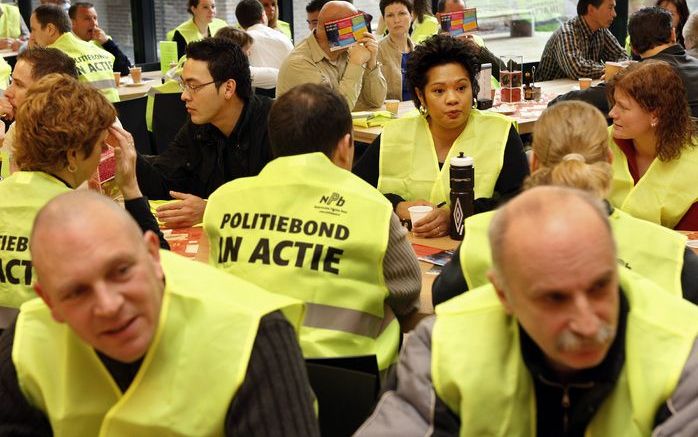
{"points": [[333, 198]]}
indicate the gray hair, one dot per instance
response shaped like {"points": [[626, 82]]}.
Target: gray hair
{"points": [[690, 31]]}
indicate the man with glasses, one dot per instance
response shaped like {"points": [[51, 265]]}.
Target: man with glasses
{"points": [[224, 138]]}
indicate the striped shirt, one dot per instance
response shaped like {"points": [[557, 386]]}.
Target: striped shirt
{"points": [[574, 51]]}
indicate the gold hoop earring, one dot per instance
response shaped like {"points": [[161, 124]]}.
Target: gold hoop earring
{"points": [[423, 110], [72, 168]]}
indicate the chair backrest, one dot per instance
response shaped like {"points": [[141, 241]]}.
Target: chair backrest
{"points": [[169, 115], [271, 92], [149, 66], [132, 117], [346, 389]]}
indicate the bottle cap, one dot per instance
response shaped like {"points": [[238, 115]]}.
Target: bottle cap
{"points": [[462, 161]]}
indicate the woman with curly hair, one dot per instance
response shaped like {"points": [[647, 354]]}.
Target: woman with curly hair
{"points": [[654, 146], [570, 149], [409, 162], [61, 129], [679, 16]]}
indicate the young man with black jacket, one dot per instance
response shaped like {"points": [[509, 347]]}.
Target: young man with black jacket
{"points": [[224, 138]]}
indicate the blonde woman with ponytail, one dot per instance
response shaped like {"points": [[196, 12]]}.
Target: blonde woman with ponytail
{"points": [[570, 148]]}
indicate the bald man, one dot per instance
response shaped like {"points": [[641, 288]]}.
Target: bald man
{"points": [[354, 72], [198, 351], [560, 343]]}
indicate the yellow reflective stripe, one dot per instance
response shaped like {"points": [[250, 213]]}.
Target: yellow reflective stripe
{"points": [[342, 319], [103, 84]]}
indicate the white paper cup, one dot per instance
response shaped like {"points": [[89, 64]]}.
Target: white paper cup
{"points": [[418, 212], [392, 106]]}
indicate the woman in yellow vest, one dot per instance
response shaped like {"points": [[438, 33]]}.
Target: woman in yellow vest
{"points": [[570, 148], [395, 48], [424, 24], [654, 146], [54, 155], [203, 23], [409, 161]]}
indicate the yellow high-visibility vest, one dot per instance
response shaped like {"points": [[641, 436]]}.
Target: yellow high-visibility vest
{"points": [[663, 194], [94, 64], [481, 368], [195, 364], [313, 231], [23, 194], [190, 31], [409, 166]]}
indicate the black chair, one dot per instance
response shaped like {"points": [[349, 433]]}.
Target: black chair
{"points": [[132, 117], [169, 115], [271, 92], [346, 389], [149, 66]]}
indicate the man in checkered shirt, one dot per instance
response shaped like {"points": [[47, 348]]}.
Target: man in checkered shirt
{"points": [[580, 47]]}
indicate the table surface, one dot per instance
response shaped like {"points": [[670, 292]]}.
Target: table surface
{"points": [[8, 53], [128, 90], [525, 112]]}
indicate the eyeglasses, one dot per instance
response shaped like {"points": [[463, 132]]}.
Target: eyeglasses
{"points": [[193, 89]]}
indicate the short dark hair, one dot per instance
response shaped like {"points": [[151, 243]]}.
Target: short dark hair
{"points": [[441, 5], [315, 5], [249, 13], [45, 61], [73, 9], [682, 8], [238, 36], [308, 118], [649, 28], [441, 50], [53, 14], [421, 8], [192, 4], [583, 6], [385, 3], [225, 61]]}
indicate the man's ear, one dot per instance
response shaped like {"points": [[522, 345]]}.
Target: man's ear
{"points": [[343, 155], [503, 296], [229, 88], [49, 303]]}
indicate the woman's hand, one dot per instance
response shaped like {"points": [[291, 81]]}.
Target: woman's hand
{"points": [[125, 152], [433, 225], [401, 208]]}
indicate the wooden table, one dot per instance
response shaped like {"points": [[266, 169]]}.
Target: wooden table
{"points": [[527, 112], [128, 91]]}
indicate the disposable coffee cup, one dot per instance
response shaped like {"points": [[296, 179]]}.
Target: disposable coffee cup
{"points": [[584, 83], [135, 74], [117, 78], [392, 105], [418, 212], [611, 69]]}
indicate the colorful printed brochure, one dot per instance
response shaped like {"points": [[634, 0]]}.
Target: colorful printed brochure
{"points": [[458, 23], [345, 32]]}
